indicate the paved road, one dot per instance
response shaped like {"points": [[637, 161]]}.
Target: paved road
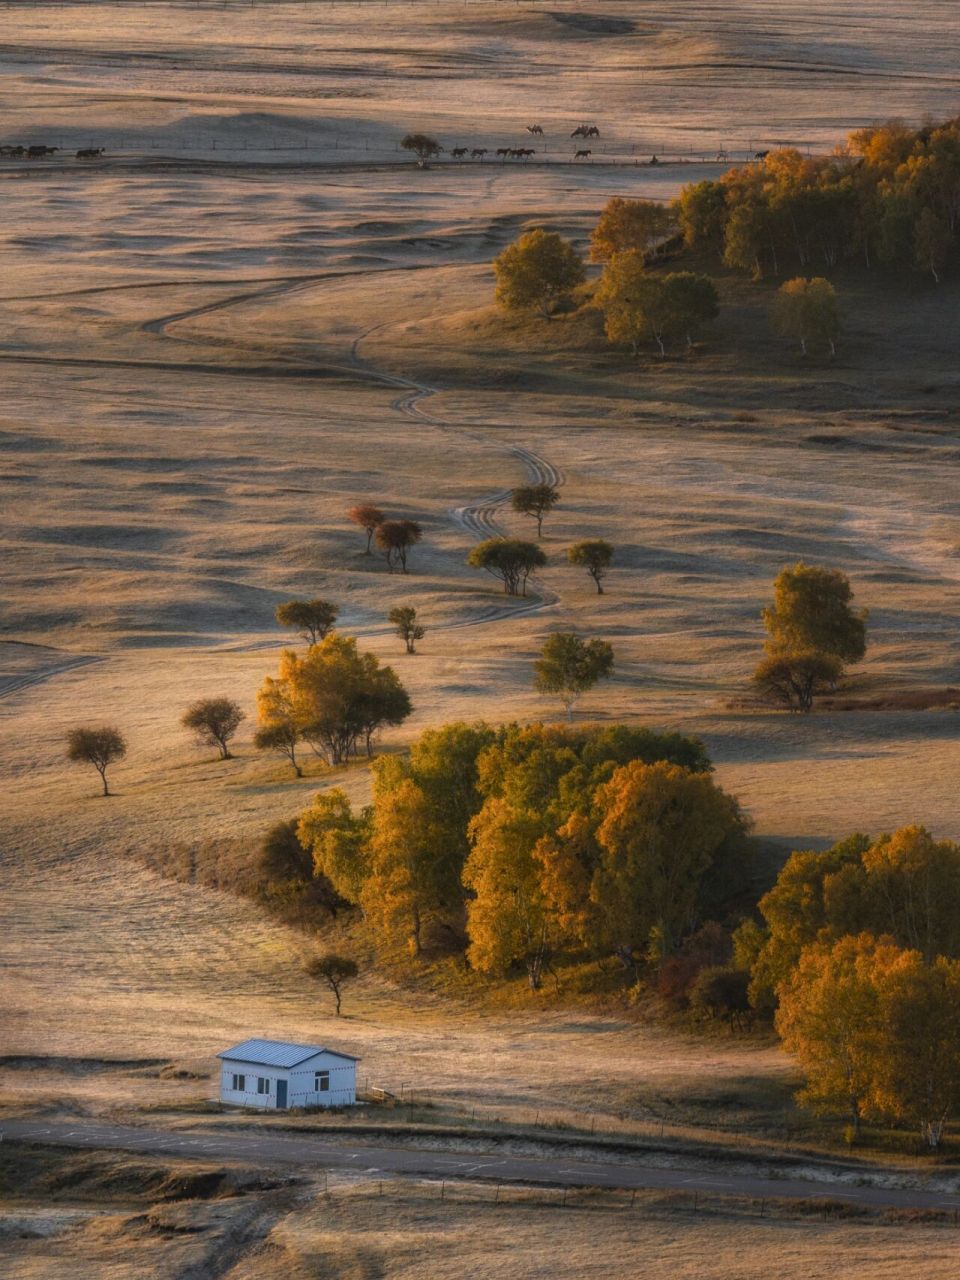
{"points": [[264, 1148]]}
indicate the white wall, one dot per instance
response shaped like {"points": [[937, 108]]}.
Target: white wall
{"points": [[300, 1083]]}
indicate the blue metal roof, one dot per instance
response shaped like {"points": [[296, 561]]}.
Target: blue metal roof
{"points": [[277, 1053]]}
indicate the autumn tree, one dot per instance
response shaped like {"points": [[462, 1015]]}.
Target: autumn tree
{"points": [[99, 746], [794, 680], [536, 500], [403, 618], [632, 301], [660, 828], [334, 698], [405, 885], [314, 619], [629, 224], [537, 272], [395, 538], [828, 1019], [369, 519], [334, 970], [595, 555], [213, 722], [568, 667], [808, 311], [812, 611], [423, 146], [701, 210], [510, 560]]}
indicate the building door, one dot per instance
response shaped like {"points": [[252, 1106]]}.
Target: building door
{"points": [[281, 1094]]}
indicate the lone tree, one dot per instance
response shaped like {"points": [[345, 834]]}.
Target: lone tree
{"points": [[368, 518], [336, 971], [395, 538], [213, 722], [794, 679], [535, 500], [595, 555], [404, 619], [812, 610], [314, 619], [807, 310], [423, 147], [510, 560], [569, 666], [99, 747], [536, 272]]}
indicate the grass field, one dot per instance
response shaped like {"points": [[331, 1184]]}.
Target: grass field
{"points": [[209, 352]]}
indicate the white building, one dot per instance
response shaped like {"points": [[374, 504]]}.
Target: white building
{"points": [[274, 1074]]}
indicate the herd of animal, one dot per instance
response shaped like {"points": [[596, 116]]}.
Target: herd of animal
{"points": [[40, 152], [524, 153]]}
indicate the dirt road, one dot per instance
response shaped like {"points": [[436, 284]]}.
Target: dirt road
{"points": [[270, 1148]]}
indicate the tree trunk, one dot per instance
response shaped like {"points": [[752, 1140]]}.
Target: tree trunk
{"points": [[103, 779], [415, 932]]}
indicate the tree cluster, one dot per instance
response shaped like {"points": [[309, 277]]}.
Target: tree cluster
{"points": [[813, 633], [639, 306], [522, 844], [892, 195], [334, 699], [859, 953], [393, 537]]}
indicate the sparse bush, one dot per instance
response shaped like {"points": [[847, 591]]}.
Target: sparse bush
{"points": [[336, 971], [404, 619], [535, 500], [595, 556]]}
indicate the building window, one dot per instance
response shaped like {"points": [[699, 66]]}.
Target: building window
{"points": [[263, 1084], [239, 1084], [321, 1082]]}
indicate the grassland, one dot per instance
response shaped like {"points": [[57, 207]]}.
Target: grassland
{"points": [[208, 355]]}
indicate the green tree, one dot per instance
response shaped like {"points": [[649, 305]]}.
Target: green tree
{"points": [[794, 680], [338, 841], [99, 746], [536, 500], [510, 560], [691, 301], [314, 619], [595, 556], [336, 971], [395, 538], [537, 272], [403, 618], [808, 311], [568, 666], [369, 518], [933, 242], [213, 722], [423, 146], [812, 611]]}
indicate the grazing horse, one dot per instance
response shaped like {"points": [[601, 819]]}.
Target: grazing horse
{"points": [[760, 155], [478, 153], [458, 153], [592, 132], [90, 153], [13, 151], [582, 155], [535, 129], [503, 152], [37, 152]]}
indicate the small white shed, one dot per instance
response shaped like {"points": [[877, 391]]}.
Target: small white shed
{"points": [[276, 1075]]}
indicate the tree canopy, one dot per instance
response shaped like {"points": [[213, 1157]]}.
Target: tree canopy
{"points": [[214, 721], [537, 272], [509, 559], [368, 518], [423, 146], [595, 555], [630, 224], [536, 500], [403, 618], [97, 745], [569, 666], [637, 304], [812, 610], [314, 619], [808, 312], [395, 538]]}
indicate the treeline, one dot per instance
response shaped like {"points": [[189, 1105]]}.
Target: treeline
{"points": [[857, 955], [892, 195], [530, 846]]}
